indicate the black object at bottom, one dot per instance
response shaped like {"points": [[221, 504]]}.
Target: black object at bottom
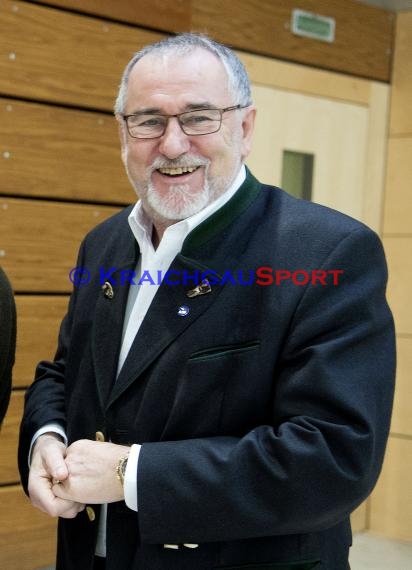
{"points": [[99, 563]]}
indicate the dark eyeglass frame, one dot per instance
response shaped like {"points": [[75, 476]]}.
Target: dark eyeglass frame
{"points": [[178, 115]]}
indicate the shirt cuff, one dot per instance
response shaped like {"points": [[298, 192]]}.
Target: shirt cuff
{"points": [[130, 478], [52, 427]]}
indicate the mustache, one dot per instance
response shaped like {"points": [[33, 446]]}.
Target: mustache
{"points": [[185, 161]]}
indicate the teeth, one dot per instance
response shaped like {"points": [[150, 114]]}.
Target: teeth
{"points": [[178, 170]]}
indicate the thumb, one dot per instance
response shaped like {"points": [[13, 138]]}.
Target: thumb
{"points": [[61, 472], [55, 463]]}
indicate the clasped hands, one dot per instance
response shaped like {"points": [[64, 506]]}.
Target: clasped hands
{"points": [[63, 480]]}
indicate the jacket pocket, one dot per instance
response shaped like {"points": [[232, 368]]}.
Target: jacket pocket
{"points": [[223, 350]]}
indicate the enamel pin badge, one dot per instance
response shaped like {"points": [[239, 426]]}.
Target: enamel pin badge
{"points": [[202, 289], [108, 290], [183, 311]]}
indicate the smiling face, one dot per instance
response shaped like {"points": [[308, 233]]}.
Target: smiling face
{"points": [[177, 175]]}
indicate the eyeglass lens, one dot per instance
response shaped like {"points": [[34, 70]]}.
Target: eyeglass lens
{"points": [[197, 122]]}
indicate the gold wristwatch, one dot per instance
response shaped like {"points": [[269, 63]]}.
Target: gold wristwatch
{"points": [[121, 468]]}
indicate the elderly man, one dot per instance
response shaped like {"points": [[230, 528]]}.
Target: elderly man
{"points": [[240, 416]]}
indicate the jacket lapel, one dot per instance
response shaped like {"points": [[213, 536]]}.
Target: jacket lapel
{"points": [[108, 324], [171, 312], [163, 323]]}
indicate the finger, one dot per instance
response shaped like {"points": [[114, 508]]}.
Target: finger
{"points": [[39, 491], [55, 463], [61, 491], [71, 509], [41, 494], [67, 492], [51, 505], [57, 507]]}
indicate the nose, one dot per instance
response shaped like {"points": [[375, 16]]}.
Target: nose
{"points": [[174, 142]]}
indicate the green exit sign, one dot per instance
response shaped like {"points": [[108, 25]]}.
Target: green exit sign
{"points": [[313, 26]]}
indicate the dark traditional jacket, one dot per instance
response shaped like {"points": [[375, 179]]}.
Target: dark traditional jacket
{"points": [[263, 408]]}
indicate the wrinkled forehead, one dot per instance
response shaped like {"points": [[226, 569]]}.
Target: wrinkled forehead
{"points": [[163, 70]]}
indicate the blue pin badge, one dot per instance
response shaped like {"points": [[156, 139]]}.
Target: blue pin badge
{"points": [[183, 311]]}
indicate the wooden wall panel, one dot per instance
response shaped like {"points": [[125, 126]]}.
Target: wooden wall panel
{"points": [[38, 320], [374, 161], [159, 14], [363, 34], [400, 278], [9, 434], [401, 115], [60, 153], [359, 517], [306, 80], [402, 412], [27, 536], [363, 39], [40, 240], [51, 55], [391, 501], [398, 196]]}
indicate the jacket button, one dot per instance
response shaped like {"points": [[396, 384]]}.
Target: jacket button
{"points": [[90, 513], [171, 546], [100, 436]]}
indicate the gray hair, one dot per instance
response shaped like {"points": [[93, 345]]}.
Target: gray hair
{"points": [[184, 44]]}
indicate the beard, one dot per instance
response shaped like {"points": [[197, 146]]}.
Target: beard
{"points": [[180, 201]]}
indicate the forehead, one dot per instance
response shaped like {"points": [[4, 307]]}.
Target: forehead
{"points": [[196, 77]]}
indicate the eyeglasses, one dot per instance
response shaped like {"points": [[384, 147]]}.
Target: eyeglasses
{"points": [[194, 123]]}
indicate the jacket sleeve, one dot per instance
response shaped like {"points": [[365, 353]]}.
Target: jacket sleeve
{"points": [[7, 341], [45, 398], [322, 454]]}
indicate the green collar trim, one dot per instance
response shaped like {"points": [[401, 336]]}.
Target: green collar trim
{"points": [[218, 221]]}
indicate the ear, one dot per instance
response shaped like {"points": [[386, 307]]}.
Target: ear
{"points": [[248, 125], [123, 137]]}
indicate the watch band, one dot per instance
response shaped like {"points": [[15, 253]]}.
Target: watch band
{"points": [[121, 468]]}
